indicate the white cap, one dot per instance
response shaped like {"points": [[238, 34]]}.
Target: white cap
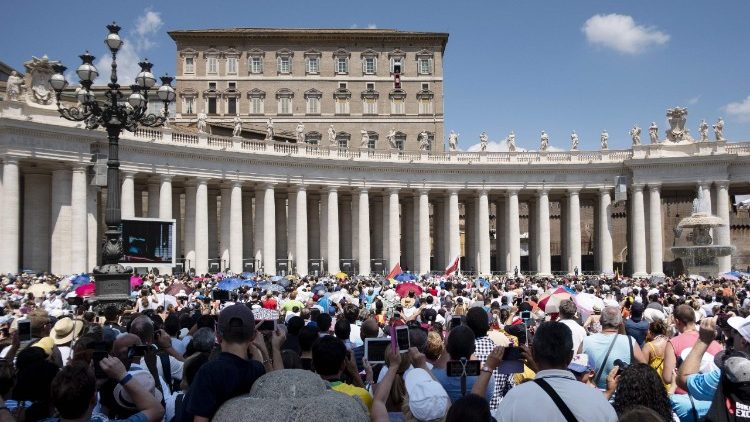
{"points": [[742, 325], [427, 398]]}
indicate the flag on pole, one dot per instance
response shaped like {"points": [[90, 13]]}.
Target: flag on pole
{"points": [[395, 271], [450, 269]]}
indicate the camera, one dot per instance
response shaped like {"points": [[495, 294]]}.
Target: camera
{"points": [[621, 366]]}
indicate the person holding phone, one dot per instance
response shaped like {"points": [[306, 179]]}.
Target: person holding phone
{"points": [[459, 345]]}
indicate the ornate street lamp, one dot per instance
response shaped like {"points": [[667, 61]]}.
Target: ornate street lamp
{"points": [[113, 114]]}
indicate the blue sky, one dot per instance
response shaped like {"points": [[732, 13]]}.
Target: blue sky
{"points": [[525, 66]]}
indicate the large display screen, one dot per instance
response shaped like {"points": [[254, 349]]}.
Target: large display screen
{"points": [[148, 241]]}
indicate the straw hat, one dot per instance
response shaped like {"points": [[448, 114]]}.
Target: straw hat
{"points": [[65, 330]]}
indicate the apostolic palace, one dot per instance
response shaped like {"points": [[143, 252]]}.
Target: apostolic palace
{"points": [[311, 151]]}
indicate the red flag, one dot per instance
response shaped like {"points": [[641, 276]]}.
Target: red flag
{"points": [[451, 268], [395, 271]]}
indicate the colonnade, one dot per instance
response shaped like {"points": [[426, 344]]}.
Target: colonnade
{"points": [[52, 221]]}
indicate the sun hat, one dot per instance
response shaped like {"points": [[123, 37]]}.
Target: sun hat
{"points": [[45, 344], [144, 380], [65, 330], [427, 397]]}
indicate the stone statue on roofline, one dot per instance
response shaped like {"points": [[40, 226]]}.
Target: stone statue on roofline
{"points": [[237, 127], [719, 129], [201, 124], [511, 141], [391, 138], [365, 142], [331, 136], [269, 130], [574, 141], [635, 135], [453, 141], [300, 132], [703, 130], [605, 139], [653, 133], [544, 141], [424, 141], [14, 86], [483, 141]]}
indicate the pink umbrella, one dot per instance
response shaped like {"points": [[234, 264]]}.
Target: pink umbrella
{"points": [[135, 281], [85, 290]]}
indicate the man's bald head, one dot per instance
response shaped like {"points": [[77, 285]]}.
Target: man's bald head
{"points": [[369, 329], [143, 327]]}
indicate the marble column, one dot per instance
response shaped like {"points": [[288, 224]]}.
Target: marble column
{"points": [[638, 228], [483, 232], [438, 208], [501, 235], [454, 239], [225, 231], [363, 233], [301, 231], [423, 224], [79, 221], [574, 231], [165, 197], [60, 222], [189, 226], [469, 255], [213, 225], [606, 264], [260, 194], [324, 225], [235, 228], [543, 225], [313, 223], [333, 229], [354, 218], [513, 240], [394, 228], [269, 230], [407, 234], [154, 203], [655, 230], [385, 231], [291, 230], [247, 228], [280, 207], [201, 228], [532, 234], [376, 221], [345, 227], [127, 196], [179, 224], [92, 223], [564, 218], [36, 218], [722, 235]]}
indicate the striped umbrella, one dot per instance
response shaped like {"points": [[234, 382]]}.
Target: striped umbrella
{"points": [[549, 302]]}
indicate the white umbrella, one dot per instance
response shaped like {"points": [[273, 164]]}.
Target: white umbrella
{"points": [[585, 303], [697, 277]]}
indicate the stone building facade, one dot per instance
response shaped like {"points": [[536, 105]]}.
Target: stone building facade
{"points": [[345, 78]]}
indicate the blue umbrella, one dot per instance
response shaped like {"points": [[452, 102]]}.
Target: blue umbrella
{"points": [[229, 284], [276, 278], [269, 286], [318, 288], [81, 279], [247, 275], [483, 283], [249, 283], [405, 277]]}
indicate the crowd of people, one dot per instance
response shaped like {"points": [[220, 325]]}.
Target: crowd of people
{"points": [[427, 348]]}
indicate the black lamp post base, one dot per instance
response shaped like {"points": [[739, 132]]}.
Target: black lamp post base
{"points": [[112, 286]]}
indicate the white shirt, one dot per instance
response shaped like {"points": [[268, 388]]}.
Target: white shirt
{"points": [[175, 367], [579, 333], [528, 401], [354, 336]]}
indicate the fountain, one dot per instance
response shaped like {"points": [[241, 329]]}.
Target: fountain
{"points": [[700, 257]]}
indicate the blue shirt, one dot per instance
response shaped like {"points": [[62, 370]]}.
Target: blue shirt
{"points": [[703, 386], [683, 408], [596, 346], [452, 385], [138, 417]]}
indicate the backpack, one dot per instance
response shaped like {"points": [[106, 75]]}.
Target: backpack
{"points": [[731, 401]]}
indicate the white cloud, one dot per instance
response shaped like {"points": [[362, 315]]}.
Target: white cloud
{"points": [[354, 26], [620, 33], [694, 100], [372, 26], [136, 45], [739, 110]]}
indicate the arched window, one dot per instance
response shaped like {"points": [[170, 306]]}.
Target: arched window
{"points": [[372, 139], [400, 140]]}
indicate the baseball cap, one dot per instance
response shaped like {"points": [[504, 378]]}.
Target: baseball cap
{"points": [[581, 363], [237, 316], [427, 397], [742, 325]]}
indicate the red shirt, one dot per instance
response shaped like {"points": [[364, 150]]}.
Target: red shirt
{"points": [[269, 303]]}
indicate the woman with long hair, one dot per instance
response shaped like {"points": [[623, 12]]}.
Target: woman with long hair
{"points": [[659, 353], [640, 385]]}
